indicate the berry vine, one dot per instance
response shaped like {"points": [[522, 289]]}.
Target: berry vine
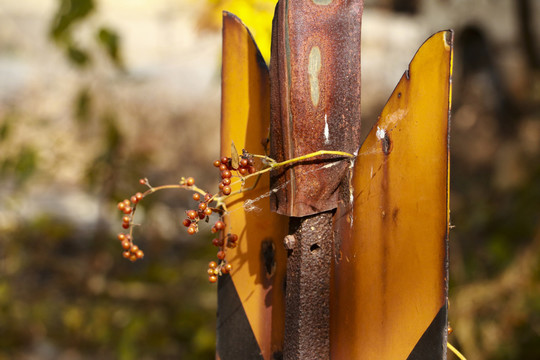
{"points": [[233, 170]]}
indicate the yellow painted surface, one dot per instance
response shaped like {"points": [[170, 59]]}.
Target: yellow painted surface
{"points": [[390, 280], [245, 116]]}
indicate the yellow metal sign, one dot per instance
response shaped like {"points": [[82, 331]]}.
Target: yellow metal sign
{"points": [[391, 273], [259, 260]]}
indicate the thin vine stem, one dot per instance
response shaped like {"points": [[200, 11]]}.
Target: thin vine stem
{"points": [[456, 351]]}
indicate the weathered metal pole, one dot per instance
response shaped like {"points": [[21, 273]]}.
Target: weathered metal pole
{"points": [[315, 105]]}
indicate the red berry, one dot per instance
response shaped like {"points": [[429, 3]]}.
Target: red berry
{"points": [[208, 211], [126, 245], [217, 163], [196, 196], [251, 169], [244, 162], [186, 222], [226, 181], [219, 225], [142, 181], [201, 214], [125, 225], [226, 190], [221, 254], [192, 214], [139, 196], [212, 265], [243, 171], [225, 160], [221, 186], [127, 202], [213, 230], [134, 199], [233, 237], [217, 242], [202, 206], [190, 181], [121, 237], [226, 174], [207, 197], [121, 206], [127, 210], [223, 167]]}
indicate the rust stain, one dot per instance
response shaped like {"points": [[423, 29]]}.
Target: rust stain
{"points": [[315, 93]]}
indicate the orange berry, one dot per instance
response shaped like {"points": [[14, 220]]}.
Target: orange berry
{"points": [[243, 171], [244, 162], [212, 265], [190, 181], [226, 174], [202, 206], [207, 197], [142, 181], [219, 225], [134, 199], [126, 219], [208, 211], [133, 257], [192, 214], [217, 163], [192, 229], [134, 248], [121, 236], [228, 267], [127, 202], [233, 237], [139, 254], [127, 210], [212, 278], [225, 160], [226, 190], [126, 254], [196, 196], [139, 196], [226, 181], [210, 272], [121, 206], [126, 245], [223, 167], [213, 230], [252, 169]]}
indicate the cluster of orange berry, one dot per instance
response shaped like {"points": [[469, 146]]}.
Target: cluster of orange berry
{"points": [[226, 165], [127, 207], [214, 270], [241, 165]]}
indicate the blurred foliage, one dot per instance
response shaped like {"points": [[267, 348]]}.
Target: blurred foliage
{"points": [[256, 14]]}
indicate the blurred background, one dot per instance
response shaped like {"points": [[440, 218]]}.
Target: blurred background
{"points": [[95, 94]]}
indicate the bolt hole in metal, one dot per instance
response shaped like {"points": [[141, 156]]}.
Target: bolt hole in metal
{"points": [[315, 248]]}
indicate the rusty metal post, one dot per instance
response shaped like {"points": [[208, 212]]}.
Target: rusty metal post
{"points": [[315, 105]]}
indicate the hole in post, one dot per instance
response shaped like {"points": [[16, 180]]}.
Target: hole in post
{"points": [[314, 248], [268, 252], [386, 144]]}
